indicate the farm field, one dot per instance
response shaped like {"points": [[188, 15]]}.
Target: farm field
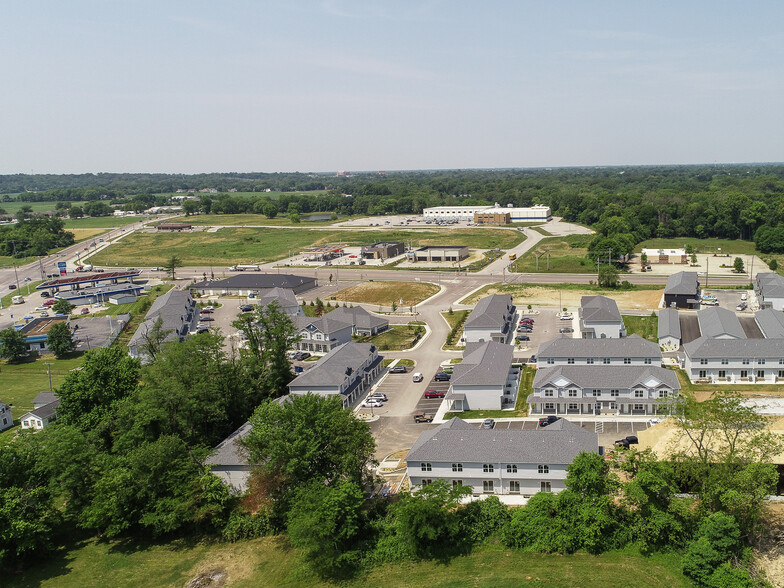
{"points": [[385, 293], [567, 255], [13, 206], [256, 245]]}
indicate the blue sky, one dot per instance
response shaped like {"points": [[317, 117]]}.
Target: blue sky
{"points": [[195, 86]]}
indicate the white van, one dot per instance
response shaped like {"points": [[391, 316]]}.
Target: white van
{"points": [[418, 377], [17, 300]]}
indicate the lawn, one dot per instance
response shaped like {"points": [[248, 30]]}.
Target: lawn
{"points": [[543, 231], [102, 222], [646, 327], [272, 562], [456, 319], [567, 255], [259, 245], [521, 406], [385, 293], [311, 310], [730, 246], [395, 338]]}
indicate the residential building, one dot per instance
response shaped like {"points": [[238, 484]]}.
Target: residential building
{"points": [[177, 313], [323, 334], [229, 460], [600, 318], [720, 323], [682, 291], [669, 329], [602, 389], [383, 250], [498, 461], [734, 360], [363, 322], [770, 290], [629, 351], [39, 418], [247, 283], [770, 322], [485, 379], [284, 298], [6, 418], [537, 212], [439, 253], [43, 398], [347, 371], [492, 319], [36, 331]]}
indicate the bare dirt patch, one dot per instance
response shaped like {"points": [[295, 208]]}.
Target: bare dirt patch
{"points": [[769, 545], [385, 293], [212, 579], [543, 296]]}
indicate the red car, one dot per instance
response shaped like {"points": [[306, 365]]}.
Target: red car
{"points": [[85, 310], [49, 302], [434, 394]]}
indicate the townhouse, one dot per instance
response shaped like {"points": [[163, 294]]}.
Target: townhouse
{"points": [[726, 361], [629, 351], [284, 298], [492, 319], [177, 312], [600, 318], [682, 291], [322, 335], [485, 379], [769, 288]]}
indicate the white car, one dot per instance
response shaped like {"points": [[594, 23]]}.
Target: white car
{"points": [[566, 317], [40, 308], [744, 296], [418, 377], [208, 308], [372, 403]]}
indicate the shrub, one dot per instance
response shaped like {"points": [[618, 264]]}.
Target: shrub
{"points": [[243, 525]]}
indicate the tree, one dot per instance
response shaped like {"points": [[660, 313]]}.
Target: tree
{"points": [[294, 217], [172, 264], [62, 306], [190, 207], [608, 276], [717, 539], [270, 210], [694, 259], [28, 518], [60, 339], [738, 265], [773, 264], [644, 258], [153, 339], [13, 344]]}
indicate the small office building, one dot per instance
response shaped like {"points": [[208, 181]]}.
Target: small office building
{"points": [[439, 253], [383, 250]]}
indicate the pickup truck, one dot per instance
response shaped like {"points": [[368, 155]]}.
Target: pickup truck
{"points": [[423, 417]]}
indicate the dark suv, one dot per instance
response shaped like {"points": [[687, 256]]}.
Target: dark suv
{"points": [[442, 377], [549, 420]]}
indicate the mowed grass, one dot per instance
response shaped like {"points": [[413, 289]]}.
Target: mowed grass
{"points": [[260, 245], [646, 327], [395, 338], [272, 562], [567, 255], [385, 293], [14, 206], [102, 222], [730, 246]]}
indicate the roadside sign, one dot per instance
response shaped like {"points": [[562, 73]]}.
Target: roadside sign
{"points": [[61, 264]]}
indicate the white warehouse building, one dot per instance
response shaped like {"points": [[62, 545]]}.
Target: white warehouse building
{"points": [[537, 212]]}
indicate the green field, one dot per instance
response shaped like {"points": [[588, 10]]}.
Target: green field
{"points": [[13, 206], [253, 220], [395, 338], [249, 245], [272, 562], [700, 245], [646, 327], [567, 256], [101, 222]]}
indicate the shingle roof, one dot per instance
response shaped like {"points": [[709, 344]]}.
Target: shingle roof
{"points": [[457, 441], [332, 369], [771, 323], [718, 322], [771, 285], [606, 376], [44, 398], [45, 412], [172, 308], [259, 281], [229, 452], [359, 317], [631, 346], [599, 308], [326, 324], [682, 283], [483, 363], [669, 323], [707, 348], [490, 312], [283, 296]]}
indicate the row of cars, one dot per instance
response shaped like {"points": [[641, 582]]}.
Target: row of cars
{"points": [[525, 327]]}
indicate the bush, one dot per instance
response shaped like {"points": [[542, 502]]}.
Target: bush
{"points": [[773, 265], [243, 525], [482, 519], [718, 538]]}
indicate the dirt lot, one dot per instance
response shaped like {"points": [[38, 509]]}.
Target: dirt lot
{"points": [[542, 296], [385, 293]]}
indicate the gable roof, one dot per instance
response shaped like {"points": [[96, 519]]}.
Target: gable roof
{"points": [[359, 317], [682, 283], [720, 322], [283, 296], [707, 348], [336, 366], [45, 412], [229, 452], [44, 398], [490, 312], [669, 323], [771, 285], [631, 346], [457, 441], [483, 363], [770, 322], [599, 309], [606, 376], [326, 324], [173, 309]]}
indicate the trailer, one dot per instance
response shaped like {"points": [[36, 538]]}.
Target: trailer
{"points": [[245, 268]]}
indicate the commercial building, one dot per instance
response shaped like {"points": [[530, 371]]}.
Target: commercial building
{"points": [[439, 253], [245, 284], [629, 351], [94, 280], [36, 332], [669, 329], [177, 313], [485, 379], [347, 371], [536, 213], [322, 252], [498, 461], [600, 318], [666, 255], [383, 250], [492, 218], [770, 290], [492, 319], [682, 291]]}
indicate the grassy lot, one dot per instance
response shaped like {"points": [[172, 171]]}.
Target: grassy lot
{"points": [[84, 234], [543, 231], [395, 338], [567, 255], [520, 291], [272, 562], [456, 320], [385, 293], [488, 257], [137, 310], [14, 206], [646, 327], [311, 310], [255, 245], [101, 222], [254, 219], [700, 245]]}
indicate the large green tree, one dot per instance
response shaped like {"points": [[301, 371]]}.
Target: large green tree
{"points": [[172, 263], [60, 339], [13, 344], [62, 306]]}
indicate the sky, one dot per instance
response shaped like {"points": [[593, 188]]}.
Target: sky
{"points": [[325, 85]]}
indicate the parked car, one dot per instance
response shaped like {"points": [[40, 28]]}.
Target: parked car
{"points": [[398, 369], [548, 420], [85, 310], [442, 377], [39, 308], [523, 338], [292, 354], [208, 308], [371, 403], [423, 417], [488, 424], [622, 443], [206, 311], [434, 393], [246, 307], [566, 330], [49, 302], [533, 359], [12, 287], [566, 317], [741, 306], [45, 294], [206, 318], [378, 396], [744, 296], [418, 377], [202, 329]]}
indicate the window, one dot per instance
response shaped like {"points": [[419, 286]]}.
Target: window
{"points": [[722, 373], [703, 361], [703, 374], [595, 392], [606, 360], [744, 373], [639, 393], [457, 467], [426, 483], [511, 468], [549, 405], [760, 373], [570, 361], [725, 362], [746, 362], [781, 362], [5, 421], [544, 469], [760, 362], [572, 406], [487, 486], [457, 482], [487, 468], [638, 407], [663, 393], [426, 467], [573, 393], [514, 487], [551, 360], [613, 406], [648, 361], [627, 360], [614, 393], [589, 360], [548, 392], [545, 487]]}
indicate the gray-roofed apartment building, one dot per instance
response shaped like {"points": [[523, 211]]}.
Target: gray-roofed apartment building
{"points": [[364, 323], [720, 323], [682, 290], [177, 313], [485, 379], [284, 298], [492, 319], [726, 361], [323, 334], [600, 318], [498, 461], [770, 290], [669, 329], [632, 350], [770, 322]]}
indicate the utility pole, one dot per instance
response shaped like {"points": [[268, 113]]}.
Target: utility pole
{"points": [[49, 371]]}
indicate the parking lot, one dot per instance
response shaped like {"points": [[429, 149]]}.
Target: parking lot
{"points": [[431, 405], [546, 327]]}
